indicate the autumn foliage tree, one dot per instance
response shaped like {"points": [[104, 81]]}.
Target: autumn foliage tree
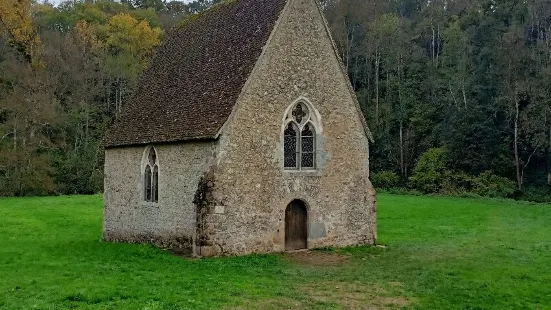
{"points": [[65, 73], [129, 44], [16, 21], [471, 77]]}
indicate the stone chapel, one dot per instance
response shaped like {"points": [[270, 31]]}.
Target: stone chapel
{"points": [[244, 136]]}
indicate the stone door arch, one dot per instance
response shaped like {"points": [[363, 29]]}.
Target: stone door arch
{"points": [[296, 226]]}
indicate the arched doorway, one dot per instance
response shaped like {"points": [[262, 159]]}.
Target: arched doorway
{"points": [[296, 223]]}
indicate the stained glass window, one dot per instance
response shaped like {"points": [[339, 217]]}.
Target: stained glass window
{"points": [[290, 146], [307, 139], [300, 112], [307, 161], [300, 139]]}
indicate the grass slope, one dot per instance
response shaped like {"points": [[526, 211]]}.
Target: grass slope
{"points": [[442, 253]]}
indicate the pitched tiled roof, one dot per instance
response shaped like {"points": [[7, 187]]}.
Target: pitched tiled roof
{"points": [[194, 80]]}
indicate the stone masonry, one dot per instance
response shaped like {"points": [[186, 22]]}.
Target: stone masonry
{"points": [[228, 196], [169, 223], [249, 181]]}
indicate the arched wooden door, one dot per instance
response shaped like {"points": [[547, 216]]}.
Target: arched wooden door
{"points": [[296, 226]]}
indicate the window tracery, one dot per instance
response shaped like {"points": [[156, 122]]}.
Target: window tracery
{"points": [[299, 139]]}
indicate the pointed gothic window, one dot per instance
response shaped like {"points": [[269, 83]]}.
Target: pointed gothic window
{"points": [[147, 182], [308, 140], [299, 145], [151, 177], [290, 146], [155, 190]]}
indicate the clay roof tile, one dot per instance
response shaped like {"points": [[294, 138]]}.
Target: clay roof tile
{"points": [[194, 80]]}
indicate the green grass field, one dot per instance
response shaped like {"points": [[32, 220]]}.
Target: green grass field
{"points": [[441, 253]]}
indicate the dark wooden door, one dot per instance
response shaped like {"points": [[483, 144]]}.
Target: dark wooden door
{"points": [[295, 226]]}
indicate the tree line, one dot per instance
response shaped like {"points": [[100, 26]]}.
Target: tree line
{"points": [[460, 89], [456, 92], [65, 73]]}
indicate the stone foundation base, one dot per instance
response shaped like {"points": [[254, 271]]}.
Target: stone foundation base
{"points": [[180, 245]]}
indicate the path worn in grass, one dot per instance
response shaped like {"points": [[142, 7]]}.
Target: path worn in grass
{"points": [[441, 253]]}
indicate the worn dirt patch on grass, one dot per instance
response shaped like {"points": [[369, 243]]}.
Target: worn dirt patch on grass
{"points": [[338, 295], [274, 303], [356, 295], [317, 258]]}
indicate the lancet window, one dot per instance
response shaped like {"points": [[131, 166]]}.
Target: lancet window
{"points": [[151, 177]]}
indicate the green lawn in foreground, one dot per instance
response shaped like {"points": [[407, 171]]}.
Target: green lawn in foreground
{"points": [[442, 253]]}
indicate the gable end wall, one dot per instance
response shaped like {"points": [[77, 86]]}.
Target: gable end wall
{"points": [[250, 190]]}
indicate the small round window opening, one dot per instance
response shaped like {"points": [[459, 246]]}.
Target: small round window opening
{"points": [[299, 139]]}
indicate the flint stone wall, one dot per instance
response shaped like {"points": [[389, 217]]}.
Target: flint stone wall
{"points": [[243, 208], [171, 221], [229, 197]]}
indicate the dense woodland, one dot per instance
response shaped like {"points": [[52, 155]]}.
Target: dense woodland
{"points": [[457, 93]]}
